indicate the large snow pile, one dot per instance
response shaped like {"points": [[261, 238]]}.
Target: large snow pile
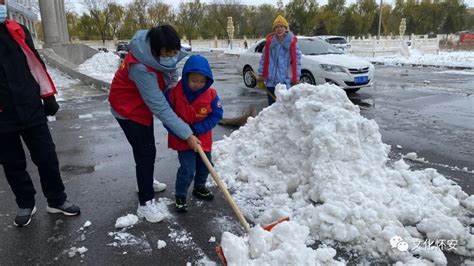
{"points": [[452, 59], [101, 66], [312, 156]]}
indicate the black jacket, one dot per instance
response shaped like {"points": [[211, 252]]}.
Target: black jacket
{"points": [[20, 101]]}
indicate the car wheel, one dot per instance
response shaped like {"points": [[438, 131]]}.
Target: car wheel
{"points": [[306, 77], [352, 90], [249, 78]]}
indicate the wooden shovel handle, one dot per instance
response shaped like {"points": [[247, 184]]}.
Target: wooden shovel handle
{"points": [[264, 87], [224, 190]]}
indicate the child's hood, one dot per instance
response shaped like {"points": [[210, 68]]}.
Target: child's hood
{"points": [[197, 64], [140, 47]]}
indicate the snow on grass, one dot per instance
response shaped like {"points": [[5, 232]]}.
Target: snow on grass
{"points": [[313, 157], [451, 59], [101, 66]]}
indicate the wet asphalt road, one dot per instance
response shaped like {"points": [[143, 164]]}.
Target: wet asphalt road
{"points": [[428, 111]]}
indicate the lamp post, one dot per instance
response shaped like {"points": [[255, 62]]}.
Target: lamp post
{"points": [[380, 20], [403, 27], [230, 30]]}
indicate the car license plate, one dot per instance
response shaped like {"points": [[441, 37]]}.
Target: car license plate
{"points": [[361, 80]]}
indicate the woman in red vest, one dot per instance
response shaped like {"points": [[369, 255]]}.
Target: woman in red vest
{"points": [[197, 104], [137, 93], [281, 58], [26, 98]]}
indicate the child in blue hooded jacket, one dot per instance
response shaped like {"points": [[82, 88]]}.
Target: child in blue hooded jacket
{"points": [[197, 104]]}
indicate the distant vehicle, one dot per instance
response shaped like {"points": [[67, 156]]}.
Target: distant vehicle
{"points": [[186, 47], [466, 37], [320, 63], [337, 41], [122, 46], [122, 49]]}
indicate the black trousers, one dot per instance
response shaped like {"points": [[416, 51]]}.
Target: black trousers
{"points": [[43, 154], [142, 140]]}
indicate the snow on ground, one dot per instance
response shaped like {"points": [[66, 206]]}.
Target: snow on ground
{"points": [[412, 156], [313, 157], [457, 72], [123, 239], [61, 80], [126, 221], [101, 66], [444, 58], [233, 51]]}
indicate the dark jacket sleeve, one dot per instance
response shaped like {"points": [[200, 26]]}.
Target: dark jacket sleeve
{"points": [[211, 120], [29, 42]]}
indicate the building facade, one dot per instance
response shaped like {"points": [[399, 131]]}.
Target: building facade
{"points": [[22, 12]]}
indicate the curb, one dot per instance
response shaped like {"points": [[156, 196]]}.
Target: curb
{"points": [[53, 59], [424, 65]]}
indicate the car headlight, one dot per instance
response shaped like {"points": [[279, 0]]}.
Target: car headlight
{"points": [[332, 68]]}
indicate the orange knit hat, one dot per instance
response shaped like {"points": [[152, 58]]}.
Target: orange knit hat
{"points": [[280, 21]]}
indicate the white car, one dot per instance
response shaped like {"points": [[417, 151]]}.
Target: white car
{"points": [[186, 47], [320, 63], [337, 41]]}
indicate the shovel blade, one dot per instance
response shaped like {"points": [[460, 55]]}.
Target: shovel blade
{"points": [[268, 227]]}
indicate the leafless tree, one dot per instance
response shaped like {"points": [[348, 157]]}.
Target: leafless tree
{"points": [[220, 10], [160, 13], [100, 12], [139, 10], [190, 13]]}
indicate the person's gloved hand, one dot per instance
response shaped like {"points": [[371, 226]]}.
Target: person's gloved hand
{"points": [[50, 105], [295, 82]]}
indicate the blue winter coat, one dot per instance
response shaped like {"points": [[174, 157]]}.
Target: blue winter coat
{"points": [[279, 69]]}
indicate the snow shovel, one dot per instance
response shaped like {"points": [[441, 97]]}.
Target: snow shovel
{"points": [[233, 205], [261, 85]]}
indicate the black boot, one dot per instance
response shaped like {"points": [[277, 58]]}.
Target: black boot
{"points": [[202, 192], [181, 205]]}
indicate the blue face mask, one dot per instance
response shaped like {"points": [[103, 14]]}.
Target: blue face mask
{"points": [[3, 13], [169, 61]]}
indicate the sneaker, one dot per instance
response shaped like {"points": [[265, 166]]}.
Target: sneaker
{"points": [[202, 192], [67, 209], [150, 212], [158, 186], [181, 205], [23, 217]]}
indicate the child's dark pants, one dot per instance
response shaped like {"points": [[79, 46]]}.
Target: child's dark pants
{"points": [[191, 168]]}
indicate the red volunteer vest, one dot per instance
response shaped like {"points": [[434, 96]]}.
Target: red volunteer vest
{"points": [[191, 113], [266, 61], [37, 69], [124, 96]]}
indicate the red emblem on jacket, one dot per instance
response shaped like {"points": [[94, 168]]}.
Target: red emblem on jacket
{"points": [[191, 113]]}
